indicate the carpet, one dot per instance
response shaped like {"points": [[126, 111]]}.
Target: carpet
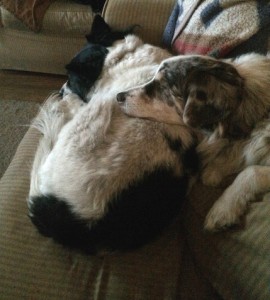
{"points": [[15, 119]]}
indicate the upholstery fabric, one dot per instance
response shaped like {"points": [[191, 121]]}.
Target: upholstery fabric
{"points": [[151, 16], [62, 17], [30, 12], [27, 51], [14, 122]]}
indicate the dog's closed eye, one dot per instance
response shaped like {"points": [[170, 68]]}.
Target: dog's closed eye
{"points": [[201, 95], [150, 89]]}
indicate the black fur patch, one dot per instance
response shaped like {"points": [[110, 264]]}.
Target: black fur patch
{"points": [[102, 34], [54, 218], [191, 160], [135, 216], [174, 144], [151, 89], [85, 68], [188, 157], [201, 95]]}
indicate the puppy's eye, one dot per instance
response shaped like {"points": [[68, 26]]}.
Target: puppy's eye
{"points": [[162, 68], [150, 89], [201, 95]]}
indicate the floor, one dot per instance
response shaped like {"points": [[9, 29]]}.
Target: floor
{"points": [[28, 86], [21, 94]]}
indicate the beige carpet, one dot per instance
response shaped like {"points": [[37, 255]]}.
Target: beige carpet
{"points": [[15, 119]]}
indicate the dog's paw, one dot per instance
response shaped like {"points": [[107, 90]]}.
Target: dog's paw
{"points": [[65, 107], [222, 215], [68, 106], [211, 177], [72, 103], [219, 220]]}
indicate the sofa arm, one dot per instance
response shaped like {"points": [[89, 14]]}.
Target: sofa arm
{"points": [[151, 15]]}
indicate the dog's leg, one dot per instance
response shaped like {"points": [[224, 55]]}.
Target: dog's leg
{"points": [[50, 121], [233, 203]]}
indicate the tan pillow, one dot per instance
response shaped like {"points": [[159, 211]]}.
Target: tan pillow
{"points": [[30, 12]]}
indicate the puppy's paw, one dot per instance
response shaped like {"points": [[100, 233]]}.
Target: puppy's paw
{"points": [[68, 106], [222, 215], [211, 177], [219, 220], [72, 103], [112, 60], [64, 108]]}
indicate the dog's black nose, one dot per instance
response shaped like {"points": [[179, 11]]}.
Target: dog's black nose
{"points": [[121, 97]]}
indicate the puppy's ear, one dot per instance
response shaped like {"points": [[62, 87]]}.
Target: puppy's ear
{"points": [[229, 129], [224, 72]]}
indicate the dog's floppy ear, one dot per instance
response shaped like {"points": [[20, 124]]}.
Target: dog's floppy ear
{"points": [[212, 92], [223, 72], [198, 111]]}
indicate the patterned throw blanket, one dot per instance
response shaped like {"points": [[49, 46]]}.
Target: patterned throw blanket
{"points": [[219, 28]]}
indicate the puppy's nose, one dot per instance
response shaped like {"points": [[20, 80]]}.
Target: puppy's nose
{"points": [[121, 97]]}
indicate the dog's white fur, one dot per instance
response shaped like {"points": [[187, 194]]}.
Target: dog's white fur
{"points": [[90, 152], [220, 156]]}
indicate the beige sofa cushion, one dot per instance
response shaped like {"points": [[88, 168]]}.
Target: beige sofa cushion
{"points": [[62, 17], [30, 12], [151, 15]]}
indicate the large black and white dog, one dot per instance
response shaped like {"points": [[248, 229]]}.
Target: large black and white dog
{"points": [[100, 179]]}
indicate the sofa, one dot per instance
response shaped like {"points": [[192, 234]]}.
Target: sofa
{"points": [[184, 262], [27, 47]]}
